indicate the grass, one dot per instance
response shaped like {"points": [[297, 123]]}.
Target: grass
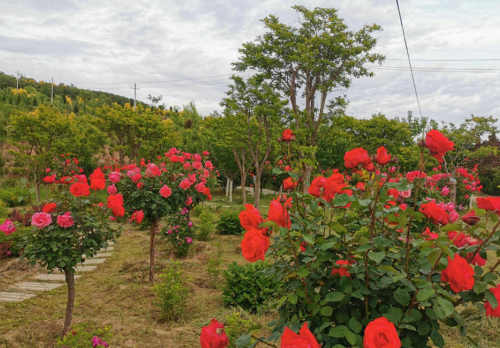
{"points": [[118, 295]]}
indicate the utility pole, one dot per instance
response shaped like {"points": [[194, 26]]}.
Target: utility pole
{"points": [[52, 91], [135, 95], [18, 77]]}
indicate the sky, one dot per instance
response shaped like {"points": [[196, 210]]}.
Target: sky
{"points": [[183, 50]]}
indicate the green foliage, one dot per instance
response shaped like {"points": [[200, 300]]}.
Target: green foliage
{"points": [[3, 208], [15, 196], [171, 292], [81, 334], [214, 263], [229, 223], [237, 324], [251, 286], [206, 225]]}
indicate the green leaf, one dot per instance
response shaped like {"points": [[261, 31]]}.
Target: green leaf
{"points": [[327, 245], [355, 325], [437, 338], [402, 296], [377, 257], [292, 298], [491, 299], [443, 308], [326, 311], [336, 296], [425, 294], [412, 316], [351, 337], [309, 238], [338, 331], [394, 314]]}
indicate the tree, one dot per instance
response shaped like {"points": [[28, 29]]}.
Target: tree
{"points": [[307, 63], [261, 109]]}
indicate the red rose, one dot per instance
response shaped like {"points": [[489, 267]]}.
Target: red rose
{"points": [[383, 157], [459, 274], [381, 333], [356, 157], [254, 244], [333, 185], [476, 260], [287, 135], [185, 184], [213, 335], [115, 203], [250, 217], [429, 235], [489, 308], [316, 186], [305, 338], [342, 269], [434, 212], [137, 216], [97, 180], [289, 184], [65, 220], [49, 207], [438, 144], [49, 179], [152, 170], [471, 218], [278, 212], [165, 191], [79, 189], [489, 203]]}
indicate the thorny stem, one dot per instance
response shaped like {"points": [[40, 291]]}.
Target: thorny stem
{"points": [[491, 269], [262, 341], [486, 240]]}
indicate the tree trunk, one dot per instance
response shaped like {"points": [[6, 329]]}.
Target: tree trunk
{"points": [[153, 232], [37, 191], [230, 190], [258, 178], [307, 177], [70, 282], [244, 187], [227, 187]]}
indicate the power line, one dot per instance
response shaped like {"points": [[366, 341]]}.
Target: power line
{"points": [[409, 60], [449, 60], [439, 69]]}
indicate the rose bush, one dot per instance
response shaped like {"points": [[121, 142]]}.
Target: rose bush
{"points": [[377, 258], [169, 188], [75, 226]]}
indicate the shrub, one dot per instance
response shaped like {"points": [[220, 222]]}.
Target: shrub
{"points": [[15, 196], [171, 292], [3, 209], [249, 286], [237, 324], [81, 335], [206, 225], [229, 223]]}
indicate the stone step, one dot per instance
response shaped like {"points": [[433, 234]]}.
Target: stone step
{"points": [[103, 254], [82, 268], [53, 277], [37, 286], [14, 296], [94, 261]]}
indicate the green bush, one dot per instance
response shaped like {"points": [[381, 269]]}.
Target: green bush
{"points": [[80, 335], [171, 292], [206, 225], [3, 210], [237, 324], [15, 196], [249, 286], [229, 223]]}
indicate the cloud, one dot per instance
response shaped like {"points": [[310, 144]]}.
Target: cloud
{"points": [[184, 50]]}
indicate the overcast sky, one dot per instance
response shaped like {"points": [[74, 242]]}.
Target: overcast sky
{"points": [[183, 50]]}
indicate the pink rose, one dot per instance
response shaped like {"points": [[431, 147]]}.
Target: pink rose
{"points": [[7, 227], [65, 220], [165, 191], [41, 220], [112, 189], [114, 177]]}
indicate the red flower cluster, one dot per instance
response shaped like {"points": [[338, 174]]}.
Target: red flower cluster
{"points": [[327, 188], [489, 203], [438, 144], [115, 203], [97, 180], [137, 216], [79, 189], [356, 157], [287, 135], [381, 333], [383, 157], [255, 241], [289, 184], [213, 335], [278, 211], [434, 212], [342, 269], [49, 207], [459, 274], [489, 308], [304, 339]]}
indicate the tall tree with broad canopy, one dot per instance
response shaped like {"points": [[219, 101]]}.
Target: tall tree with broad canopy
{"points": [[307, 63], [260, 111]]}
